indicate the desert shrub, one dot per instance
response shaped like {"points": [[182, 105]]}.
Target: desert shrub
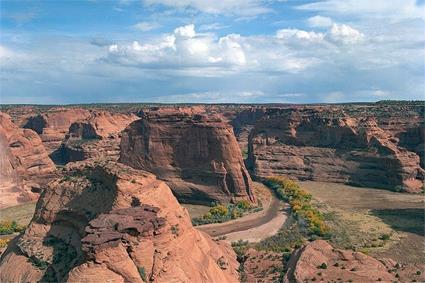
{"points": [[220, 213], [243, 204], [175, 229], [10, 227], [300, 202], [385, 237], [142, 273], [285, 241], [4, 242], [219, 210]]}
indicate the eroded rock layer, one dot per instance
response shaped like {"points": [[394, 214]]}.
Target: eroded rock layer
{"points": [[198, 156], [318, 261], [96, 136], [53, 125], [313, 144], [106, 222], [23, 162]]}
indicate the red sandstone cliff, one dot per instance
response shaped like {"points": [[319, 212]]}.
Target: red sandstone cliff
{"points": [[53, 125], [311, 144], [98, 135], [196, 155], [23, 159], [105, 221]]}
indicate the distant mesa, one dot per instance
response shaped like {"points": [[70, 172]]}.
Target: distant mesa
{"points": [[196, 154]]}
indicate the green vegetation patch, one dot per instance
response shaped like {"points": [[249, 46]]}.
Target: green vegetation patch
{"points": [[220, 213], [10, 227], [301, 204]]}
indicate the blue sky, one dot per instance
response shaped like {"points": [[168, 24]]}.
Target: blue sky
{"points": [[246, 51]]}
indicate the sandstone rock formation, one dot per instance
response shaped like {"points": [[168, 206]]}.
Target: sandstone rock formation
{"points": [[318, 261], [106, 222], [196, 155], [313, 144], [53, 125], [96, 136], [23, 161]]}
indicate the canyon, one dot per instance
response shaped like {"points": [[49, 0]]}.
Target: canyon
{"points": [[110, 181]]}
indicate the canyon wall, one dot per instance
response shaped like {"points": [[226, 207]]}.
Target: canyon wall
{"points": [[329, 144], [24, 161], [197, 155], [98, 135]]}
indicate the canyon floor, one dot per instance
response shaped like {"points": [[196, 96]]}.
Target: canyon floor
{"points": [[366, 213]]}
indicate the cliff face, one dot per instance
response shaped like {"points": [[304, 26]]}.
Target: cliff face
{"points": [[198, 156], [96, 136], [311, 144], [105, 221], [23, 159], [53, 125]]}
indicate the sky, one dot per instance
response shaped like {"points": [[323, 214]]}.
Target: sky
{"points": [[210, 51]]}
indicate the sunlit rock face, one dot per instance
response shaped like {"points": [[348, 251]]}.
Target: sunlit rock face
{"points": [[197, 155], [23, 162], [329, 145], [105, 221]]}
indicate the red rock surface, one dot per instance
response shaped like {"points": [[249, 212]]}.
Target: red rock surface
{"points": [[318, 261], [106, 222], [53, 125], [99, 135], [314, 144], [23, 161], [196, 155]]}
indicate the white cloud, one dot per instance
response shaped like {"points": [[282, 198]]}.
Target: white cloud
{"points": [[212, 97], [185, 31], [299, 34], [345, 34], [146, 26], [6, 53], [395, 9], [228, 7], [188, 52], [319, 21], [213, 26]]}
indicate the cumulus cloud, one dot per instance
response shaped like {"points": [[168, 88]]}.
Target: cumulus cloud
{"points": [[319, 21], [299, 35], [229, 7], [338, 33], [185, 50], [345, 34]]}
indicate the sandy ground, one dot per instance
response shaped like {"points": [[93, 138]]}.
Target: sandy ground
{"points": [[349, 197], [253, 227]]}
